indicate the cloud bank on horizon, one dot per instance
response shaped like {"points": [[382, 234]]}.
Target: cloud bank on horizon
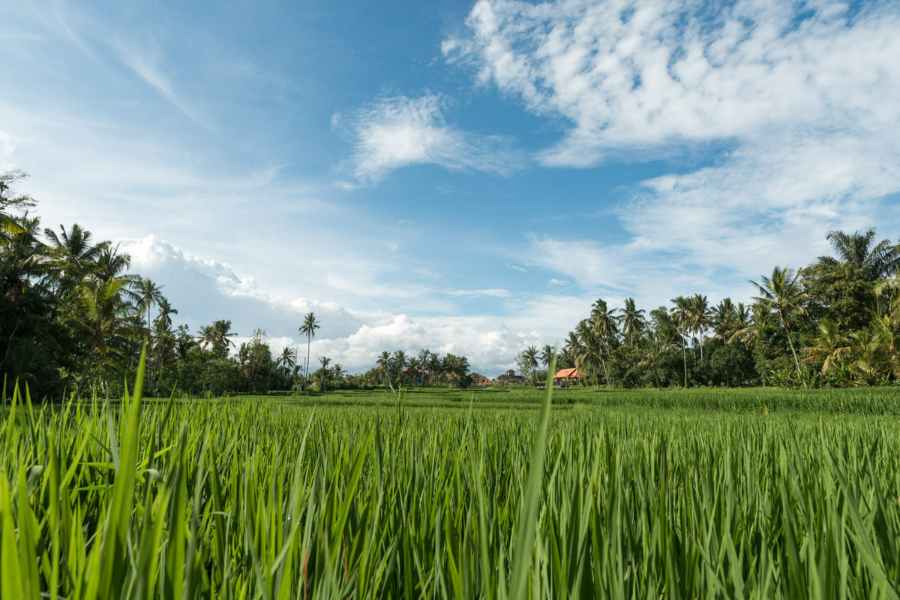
{"points": [[470, 187]]}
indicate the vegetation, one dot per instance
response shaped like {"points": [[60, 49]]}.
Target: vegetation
{"points": [[384, 485], [241, 498], [835, 322], [72, 317]]}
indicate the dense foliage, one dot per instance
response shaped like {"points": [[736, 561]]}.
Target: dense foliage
{"points": [[835, 322], [242, 499]]}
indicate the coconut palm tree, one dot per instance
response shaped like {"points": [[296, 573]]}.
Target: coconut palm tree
{"points": [[398, 366], [217, 337], [309, 328], [605, 325], [529, 361], [287, 360], [424, 357], [10, 225], [148, 294], [633, 321], [104, 317], [337, 372], [547, 354], [700, 318], [72, 254], [164, 314], [112, 263], [384, 366], [682, 312], [570, 350], [829, 349], [323, 372], [783, 294], [723, 319], [589, 358], [858, 249]]}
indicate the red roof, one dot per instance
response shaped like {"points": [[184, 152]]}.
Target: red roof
{"points": [[566, 374]]}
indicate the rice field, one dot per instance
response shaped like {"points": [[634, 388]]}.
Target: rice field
{"points": [[454, 495]]}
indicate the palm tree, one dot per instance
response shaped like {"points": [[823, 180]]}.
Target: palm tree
{"points": [[104, 317], [783, 294], [529, 361], [111, 263], [309, 328], [633, 321], [589, 354], [325, 361], [384, 365], [287, 360], [723, 318], [681, 316], [699, 318], [829, 348], [217, 337], [148, 294], [424, 357], [164, 314], [10, 226], [337, 372], [570, 350], [604, 324], [859, 250], [547, 354], [398, 366], [72, 254]]}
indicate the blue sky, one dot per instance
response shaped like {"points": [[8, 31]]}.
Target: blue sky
{"points": [[466, 177]]}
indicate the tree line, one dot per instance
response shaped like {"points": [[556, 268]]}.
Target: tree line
{"points": [[835, 322], [74, 318]]}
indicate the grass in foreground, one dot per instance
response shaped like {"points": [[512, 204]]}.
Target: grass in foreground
{"points": [[250, 499]]}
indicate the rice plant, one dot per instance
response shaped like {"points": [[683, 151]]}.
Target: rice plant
{"points": [[266, 499]]}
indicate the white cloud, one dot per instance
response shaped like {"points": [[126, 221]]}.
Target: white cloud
{"points": [[146, 65], [481, 293], [203, 289], [802, 97], [489, 342], [641, 75], [400, 131]]}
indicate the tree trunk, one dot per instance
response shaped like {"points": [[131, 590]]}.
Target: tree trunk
{"points": [[684, 359], [787, 331], [306, 377]]}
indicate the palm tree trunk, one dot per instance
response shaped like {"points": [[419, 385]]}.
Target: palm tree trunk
{"points": [[306, 377], [684, 359], [787, 331]]}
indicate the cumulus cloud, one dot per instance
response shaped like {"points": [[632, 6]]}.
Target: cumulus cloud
{"points": [[204, 289], [491, 343], [798, 100], [400, 131]]}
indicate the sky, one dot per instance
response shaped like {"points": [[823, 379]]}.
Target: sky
{"points": [[464, 177]]}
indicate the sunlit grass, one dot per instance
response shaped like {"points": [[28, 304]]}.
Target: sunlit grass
{"points": [[261, 498]]}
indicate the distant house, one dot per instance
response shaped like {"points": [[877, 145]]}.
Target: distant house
{"points": [[566, 377], [509, 377], [479, 379]]}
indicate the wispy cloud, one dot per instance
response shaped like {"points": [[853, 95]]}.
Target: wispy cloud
{"points": [[146, 66], [480, 293], [400, 131]]}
